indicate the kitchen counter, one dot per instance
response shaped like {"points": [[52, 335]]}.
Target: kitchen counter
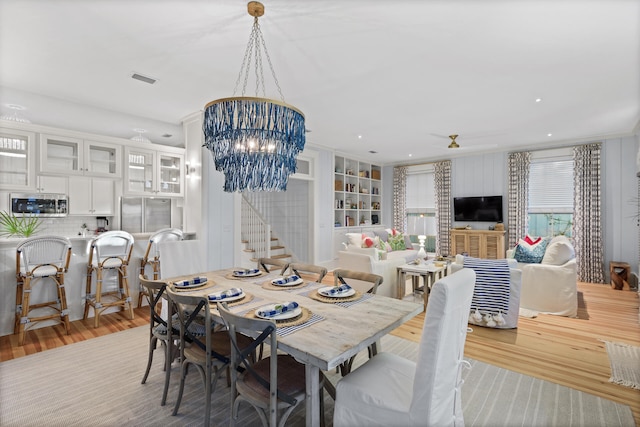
{"points": [[75, 279]]}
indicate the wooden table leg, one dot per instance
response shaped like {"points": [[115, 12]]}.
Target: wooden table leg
{"points": [[312, 374]]}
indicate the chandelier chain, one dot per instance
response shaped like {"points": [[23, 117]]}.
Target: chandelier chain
{"points": [[253, 53]]}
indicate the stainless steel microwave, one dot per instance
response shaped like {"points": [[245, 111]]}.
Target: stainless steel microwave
{"points": [[41, 204]]}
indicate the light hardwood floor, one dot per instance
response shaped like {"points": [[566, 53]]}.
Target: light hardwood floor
{"points": [[557, 349]]}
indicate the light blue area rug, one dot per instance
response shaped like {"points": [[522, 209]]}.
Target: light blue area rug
{"points": [[97, 382]]}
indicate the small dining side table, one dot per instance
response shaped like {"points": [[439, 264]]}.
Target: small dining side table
{"points": [[429, 273]]}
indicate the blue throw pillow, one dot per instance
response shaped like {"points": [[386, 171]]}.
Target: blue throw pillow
{"points": [[531, 255]]}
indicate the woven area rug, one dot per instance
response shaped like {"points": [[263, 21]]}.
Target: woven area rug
{"points": [[625, 364], [97, 383]]}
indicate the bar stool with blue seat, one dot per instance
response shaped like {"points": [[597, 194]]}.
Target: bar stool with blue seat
{"points": [[110, 251], [152, 255], [39, 258]]}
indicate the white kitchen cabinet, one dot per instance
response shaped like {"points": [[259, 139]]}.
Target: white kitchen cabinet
{"points": [[52, 184], [17, 159], [152, 172], [75, 156], [91, 196]]}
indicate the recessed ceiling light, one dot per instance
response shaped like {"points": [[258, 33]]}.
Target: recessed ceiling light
{"points": [[410, 155], [549, 134], [373, 152], [538, 99], [167, 135], [359, 136]]}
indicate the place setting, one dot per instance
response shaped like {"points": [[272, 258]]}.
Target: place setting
{"points": [[192, 284], [342, 294], [233, 296], [284, 283], [289, 316], [244, 273]]}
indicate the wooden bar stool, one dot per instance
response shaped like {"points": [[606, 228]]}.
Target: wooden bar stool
{"points": [[109, 251], [152, 255], [39, 258]]}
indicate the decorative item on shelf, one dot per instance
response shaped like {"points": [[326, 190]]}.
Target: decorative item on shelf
{"points": [[375, 174], [254, 140], [499, 227], [349, 171]]}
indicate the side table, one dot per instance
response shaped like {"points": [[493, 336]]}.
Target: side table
{"points": [[619, 272], [429, 273]]}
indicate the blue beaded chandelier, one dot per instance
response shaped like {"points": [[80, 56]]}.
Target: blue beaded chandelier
{"points": [[254, 141]]}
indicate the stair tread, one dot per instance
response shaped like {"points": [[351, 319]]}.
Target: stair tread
{"points": [[277, 247]]}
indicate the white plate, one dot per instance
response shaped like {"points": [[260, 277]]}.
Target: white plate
{"points": [[229, 299], [243, 274], [193, 285], [325, 292], [295, 282], [282, 316]]}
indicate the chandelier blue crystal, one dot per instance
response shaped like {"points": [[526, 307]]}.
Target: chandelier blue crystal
{"points": [[254, 140]]}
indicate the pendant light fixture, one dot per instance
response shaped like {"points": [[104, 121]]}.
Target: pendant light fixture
{"points": [[254, 140]]}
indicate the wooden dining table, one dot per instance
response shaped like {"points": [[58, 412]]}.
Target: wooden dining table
{"points": [[334, 334]]}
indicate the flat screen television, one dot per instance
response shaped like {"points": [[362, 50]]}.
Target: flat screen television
{"points": [[484, 209]]}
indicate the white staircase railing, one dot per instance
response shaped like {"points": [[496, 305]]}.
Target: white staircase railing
{"points": [[255, 231]]}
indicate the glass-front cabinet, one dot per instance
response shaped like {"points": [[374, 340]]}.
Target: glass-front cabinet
{"points": [[17, 159], [153, 172], [74, 156]]}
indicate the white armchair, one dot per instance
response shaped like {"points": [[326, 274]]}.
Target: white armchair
{"points": [[551, 287]]}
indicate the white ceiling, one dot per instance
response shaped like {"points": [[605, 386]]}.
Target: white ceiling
{"points": [[403, 74]]}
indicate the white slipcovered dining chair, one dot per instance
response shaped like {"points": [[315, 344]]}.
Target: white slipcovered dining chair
{"points": [[389, 390]]}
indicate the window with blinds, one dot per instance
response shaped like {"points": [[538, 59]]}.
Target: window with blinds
{"points": [[421, 204], [551, 197]]}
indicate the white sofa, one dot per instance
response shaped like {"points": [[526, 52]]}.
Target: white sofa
{"points": [[551, 287], [515, 286]]}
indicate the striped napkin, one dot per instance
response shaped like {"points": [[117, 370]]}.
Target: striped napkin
{"points": [[285, 280], [190, 282], [337, 290], [275, 309], [247, 272], [222, 295]]}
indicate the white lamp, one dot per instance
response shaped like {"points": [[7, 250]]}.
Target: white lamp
{"points": [[422, 254]]}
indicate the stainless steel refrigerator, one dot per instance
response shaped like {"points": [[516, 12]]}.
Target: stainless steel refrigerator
{"points": [[148, 215]]}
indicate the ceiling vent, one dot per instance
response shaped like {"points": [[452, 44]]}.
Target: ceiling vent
{"points": [[142, 78]]}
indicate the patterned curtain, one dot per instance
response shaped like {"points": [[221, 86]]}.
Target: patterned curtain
{"points": [[400, 198], [517, 197], [442, 178], [587, 222]]}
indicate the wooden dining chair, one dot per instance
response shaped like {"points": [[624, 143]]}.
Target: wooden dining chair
{"points": [[300, 268], [390, 390], [275, 385], [369, 283], [271, 264], [208, 350], [151, 256], [155, 291]]}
